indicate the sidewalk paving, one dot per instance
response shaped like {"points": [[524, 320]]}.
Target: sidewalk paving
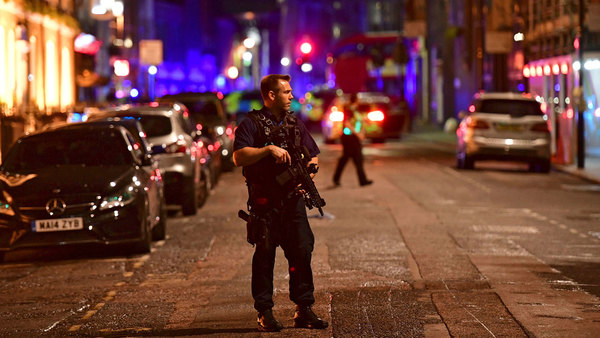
{"points": [[590, 172]]}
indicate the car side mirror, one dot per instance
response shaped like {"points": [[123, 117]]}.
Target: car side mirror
{"points": [[158, 149]]}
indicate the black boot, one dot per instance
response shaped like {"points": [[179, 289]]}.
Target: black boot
{"points": [[267, 322], [305, 317]]}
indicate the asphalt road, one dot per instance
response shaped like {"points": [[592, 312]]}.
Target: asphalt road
{"points": [[425, 251]]}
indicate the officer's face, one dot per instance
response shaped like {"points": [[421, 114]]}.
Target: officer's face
{"points": [[282, 100]]}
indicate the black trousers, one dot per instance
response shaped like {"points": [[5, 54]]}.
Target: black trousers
{"points": [[297, 241], [352, 150]]}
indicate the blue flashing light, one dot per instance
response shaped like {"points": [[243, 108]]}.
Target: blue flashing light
{"points": [[76, 117], [220, 81], [521, 87], [557, 87]]}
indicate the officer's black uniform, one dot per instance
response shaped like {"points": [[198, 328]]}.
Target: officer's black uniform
{"points": [[289, 223]]}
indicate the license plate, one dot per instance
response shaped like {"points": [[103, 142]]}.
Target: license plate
{"points": [[508, 127], [57, 224]]}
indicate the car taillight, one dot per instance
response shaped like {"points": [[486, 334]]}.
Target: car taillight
{"points": [[177, 147], [477, 124], [540, 127], [375, 115], [336, 116]]}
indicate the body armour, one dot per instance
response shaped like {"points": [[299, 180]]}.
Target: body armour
{"points": [[284, 135]]}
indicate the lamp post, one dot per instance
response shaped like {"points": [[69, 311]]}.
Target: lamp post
{"points": [[581, 105]]}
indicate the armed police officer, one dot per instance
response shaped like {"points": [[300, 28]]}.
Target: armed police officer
{"points": [[264, 142]]}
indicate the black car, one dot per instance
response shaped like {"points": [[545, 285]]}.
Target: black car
{"points": [[79, 184], [208, 112]]}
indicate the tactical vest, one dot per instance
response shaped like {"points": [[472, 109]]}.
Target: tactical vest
{"points": [[284, 135]]}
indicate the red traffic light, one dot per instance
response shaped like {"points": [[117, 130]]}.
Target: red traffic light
{"points": [[305, 47]]}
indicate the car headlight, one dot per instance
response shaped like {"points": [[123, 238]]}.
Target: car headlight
{"points": [[119, 198], [220, 130]]}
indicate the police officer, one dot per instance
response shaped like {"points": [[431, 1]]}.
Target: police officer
{"points": [[261, 148]]}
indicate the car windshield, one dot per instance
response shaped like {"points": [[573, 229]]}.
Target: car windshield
{"points": [[514, 108], [153, 125], [68, 147]]}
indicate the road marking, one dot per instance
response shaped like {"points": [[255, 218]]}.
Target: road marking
{"points": [[88, 314], [120, 284], [128, 274], [110, 295], [127, 330], [98, 306], [505, 228], [74, 328], [573, 231]]}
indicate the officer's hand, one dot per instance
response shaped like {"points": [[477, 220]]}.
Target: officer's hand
{"points": [[281, 155]]}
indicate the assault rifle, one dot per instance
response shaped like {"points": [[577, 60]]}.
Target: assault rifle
{"points": [[298, 176]]}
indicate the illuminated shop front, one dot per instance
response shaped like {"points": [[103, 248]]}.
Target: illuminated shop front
{"points": [[553, 81], [36, 60]]}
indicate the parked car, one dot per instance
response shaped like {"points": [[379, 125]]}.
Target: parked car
{"points": [[504, 126], [172, 136], [208, 114], [383, 117], [79, 184]]}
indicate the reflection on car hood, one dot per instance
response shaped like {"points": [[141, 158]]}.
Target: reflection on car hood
{"points": [[69, 179]]}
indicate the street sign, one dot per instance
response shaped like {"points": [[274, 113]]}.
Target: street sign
{"points": [[151, 52]]}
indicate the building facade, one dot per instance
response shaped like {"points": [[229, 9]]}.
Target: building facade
{"points": [[36, 62], [563, 72]]}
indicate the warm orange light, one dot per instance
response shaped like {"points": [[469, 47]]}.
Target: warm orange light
{"points": [[546, 70], [564, 68], [570, 113], [532, 70], [543, 106], [555, 69], [526, 71]]}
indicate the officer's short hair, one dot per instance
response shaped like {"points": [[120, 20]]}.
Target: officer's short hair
{"points": [[271, 83]]}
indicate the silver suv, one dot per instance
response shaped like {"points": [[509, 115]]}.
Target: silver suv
{"points": [[504, 126], [173, 141]]}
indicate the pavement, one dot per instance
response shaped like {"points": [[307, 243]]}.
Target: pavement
{"points": [[590, 172]]}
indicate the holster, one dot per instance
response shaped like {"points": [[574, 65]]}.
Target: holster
{"points": [[257, 228]]}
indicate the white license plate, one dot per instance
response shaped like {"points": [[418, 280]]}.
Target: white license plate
{"points": [[57, 224]]}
